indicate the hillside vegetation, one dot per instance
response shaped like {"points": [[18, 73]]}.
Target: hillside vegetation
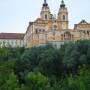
{"points": [[46, 68]]}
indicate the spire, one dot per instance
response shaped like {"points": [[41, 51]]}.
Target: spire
{"points": [[62, 4], [45, 3]]}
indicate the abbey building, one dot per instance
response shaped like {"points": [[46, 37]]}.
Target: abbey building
{"points": [[55, 30]]}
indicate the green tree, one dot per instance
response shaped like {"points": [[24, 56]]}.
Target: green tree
{"points": [[11, 82], [51, 63], [36, 81]]}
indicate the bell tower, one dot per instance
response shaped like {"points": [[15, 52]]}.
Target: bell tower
{"points": [[45, 12], [63, 15]]}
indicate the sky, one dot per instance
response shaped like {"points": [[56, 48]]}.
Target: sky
{"points": [[15, 15]]}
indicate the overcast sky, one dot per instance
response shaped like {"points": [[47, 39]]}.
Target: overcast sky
{"points": [[16, 14]]}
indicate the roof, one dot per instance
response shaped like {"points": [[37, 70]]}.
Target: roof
{"points": [[11, 36], [83, 22], [39, 19]]}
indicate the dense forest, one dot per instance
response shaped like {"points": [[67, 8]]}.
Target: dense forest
{"points": [[46, 67]]}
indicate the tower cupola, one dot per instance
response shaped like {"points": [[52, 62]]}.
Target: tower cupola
{"points": [[45, 12], [62, 4], [45, 3], [63, 15]]}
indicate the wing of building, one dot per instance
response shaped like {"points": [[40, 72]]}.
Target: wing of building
{"points": [[11, 40]]}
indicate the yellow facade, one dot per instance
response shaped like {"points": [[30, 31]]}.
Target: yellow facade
{"points": [[49, 28]]}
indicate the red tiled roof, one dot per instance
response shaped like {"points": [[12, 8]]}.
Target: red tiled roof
{"points": [[11, 36]]}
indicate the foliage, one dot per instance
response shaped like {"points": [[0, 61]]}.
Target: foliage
{"points": [[46, 67], [35, 80]]}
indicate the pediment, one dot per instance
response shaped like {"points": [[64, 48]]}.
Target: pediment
{"points": [[83, 22]]}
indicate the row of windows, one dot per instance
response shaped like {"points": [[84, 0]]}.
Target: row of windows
{"points": [[63, 17], [85, 32], [39, 30], [67, 36], [11, 42]]}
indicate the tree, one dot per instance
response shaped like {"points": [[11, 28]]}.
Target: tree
{"points": [[36, 81], [11, 82], [51, 63]]}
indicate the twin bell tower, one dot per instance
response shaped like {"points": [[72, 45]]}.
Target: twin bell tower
{"points": [[62, 15]]}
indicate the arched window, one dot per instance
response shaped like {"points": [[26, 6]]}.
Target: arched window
{"points": [[40, 30], [55, 27], [45, 16], [43, 30], [36, 31], [62, 37], [63, 17], [88, 32], [67, 36]]}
